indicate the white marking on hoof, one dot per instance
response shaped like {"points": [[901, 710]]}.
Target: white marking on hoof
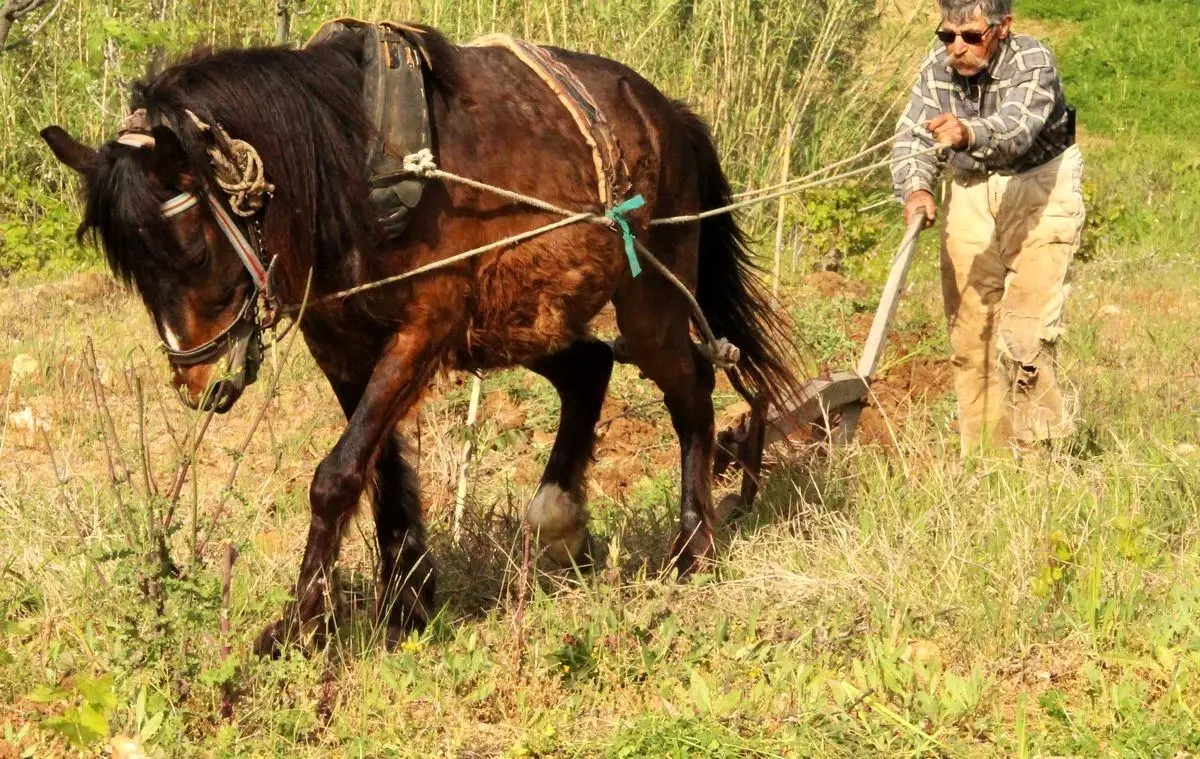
{"points": [[558, 520]]}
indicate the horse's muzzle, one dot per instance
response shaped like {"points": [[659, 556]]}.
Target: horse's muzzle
{"points": [[240, 369]]}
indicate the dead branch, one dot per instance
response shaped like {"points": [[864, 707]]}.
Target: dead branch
{"points": [[13, 11], [109, 439], [144, 458], [522, 591], [61, 477], [118, 468], [283, 21], [226, 649], [182, 470], [227, 491]]}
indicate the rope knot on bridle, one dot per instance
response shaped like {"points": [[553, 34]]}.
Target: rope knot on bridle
{"points": [[420, 163], [239, 170]]}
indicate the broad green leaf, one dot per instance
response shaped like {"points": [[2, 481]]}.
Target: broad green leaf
{"points": [[701, 695], [48, 694], [150, 729]]}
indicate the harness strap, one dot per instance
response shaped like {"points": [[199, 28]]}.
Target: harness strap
{"points": [[213, 347], [239, 242], [612, 176], [186, 200], [178, 204]]}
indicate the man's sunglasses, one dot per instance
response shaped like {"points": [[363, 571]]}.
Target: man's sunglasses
{"points": [[970, 37]]}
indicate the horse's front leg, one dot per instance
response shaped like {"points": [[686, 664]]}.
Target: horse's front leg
{"points": [[395, 384]]}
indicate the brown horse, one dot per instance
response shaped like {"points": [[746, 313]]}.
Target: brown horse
{"points": [[529, 304]]}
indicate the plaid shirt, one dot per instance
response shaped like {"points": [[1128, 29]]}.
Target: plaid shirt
{"points": [[1014, 112]]}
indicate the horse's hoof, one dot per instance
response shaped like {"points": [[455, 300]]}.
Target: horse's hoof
{"points": [[403, 620], [272, 640], [586, 555], [730, 509], [593, 555], [558, 520], [289, 632], [409, 608], [694, 554]]}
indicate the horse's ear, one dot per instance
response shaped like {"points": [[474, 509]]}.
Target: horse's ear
{"points": [[70, 151], [170, 159]]}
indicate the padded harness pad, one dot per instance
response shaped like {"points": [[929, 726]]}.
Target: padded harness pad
{"points": [[395, 102]]}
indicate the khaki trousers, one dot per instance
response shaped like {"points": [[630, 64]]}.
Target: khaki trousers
{"points": [[1007, 245]]}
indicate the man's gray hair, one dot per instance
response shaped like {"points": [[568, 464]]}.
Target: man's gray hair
{"points": [[961, 11]]}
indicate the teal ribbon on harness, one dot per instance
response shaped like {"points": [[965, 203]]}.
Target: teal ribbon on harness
{"points": [[617, 214]]}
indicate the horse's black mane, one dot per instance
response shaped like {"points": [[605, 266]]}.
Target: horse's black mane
{"points": [[302, 111]]}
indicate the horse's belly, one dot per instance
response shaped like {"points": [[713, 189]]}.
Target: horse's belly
{"points": [[522, 313]]}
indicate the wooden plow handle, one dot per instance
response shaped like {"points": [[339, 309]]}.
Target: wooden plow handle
{"points": [[877, 338]]}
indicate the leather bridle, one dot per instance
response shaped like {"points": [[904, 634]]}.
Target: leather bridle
{"points": [[260, 309]]}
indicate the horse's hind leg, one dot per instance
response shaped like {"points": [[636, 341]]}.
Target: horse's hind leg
{"points": [[654, 320], [558, 512], [406, 575]]}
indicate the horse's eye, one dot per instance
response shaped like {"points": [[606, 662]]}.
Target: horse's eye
{"points": [[195, 251]]}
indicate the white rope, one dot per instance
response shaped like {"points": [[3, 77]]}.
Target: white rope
{"points": [[420, 164], [832, 166], [789, 189], [445, 262], [720, 351]]}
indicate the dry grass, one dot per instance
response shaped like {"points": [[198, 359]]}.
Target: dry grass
{"points": [[887, 600]]}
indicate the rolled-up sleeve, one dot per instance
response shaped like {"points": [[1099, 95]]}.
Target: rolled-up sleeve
{"points": [[1026, 107], [912, 172]]}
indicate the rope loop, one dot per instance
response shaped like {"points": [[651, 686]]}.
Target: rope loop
{"points": [[239, 170], [722, 353]]}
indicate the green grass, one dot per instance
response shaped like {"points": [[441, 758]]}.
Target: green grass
{"points": [[1130, 66], [891, 600]]}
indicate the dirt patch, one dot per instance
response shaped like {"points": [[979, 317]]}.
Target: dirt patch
{"points": [[894, 395], [831, 285]]}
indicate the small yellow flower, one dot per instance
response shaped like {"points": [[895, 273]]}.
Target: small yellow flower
{"points": [[755, 673], [566, 668], [411, 646]]}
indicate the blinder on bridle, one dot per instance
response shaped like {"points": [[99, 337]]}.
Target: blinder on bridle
{"points": [[241, 340]]}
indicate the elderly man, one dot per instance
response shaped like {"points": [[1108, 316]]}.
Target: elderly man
{"points": [[1014, 215]]}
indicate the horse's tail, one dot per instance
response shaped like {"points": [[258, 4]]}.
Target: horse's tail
{"points": [[729, 286]]}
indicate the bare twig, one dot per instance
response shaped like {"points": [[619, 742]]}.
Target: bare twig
{"points": [[602, 427], [8, 394], [119, 467], [859, 701], [789, 133], [283, 21], [147, 472], [40, 26], [11, 12], [181, 472], [522, 591], [226, 648], [262, 412], [109, 440], [61, 477]]}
